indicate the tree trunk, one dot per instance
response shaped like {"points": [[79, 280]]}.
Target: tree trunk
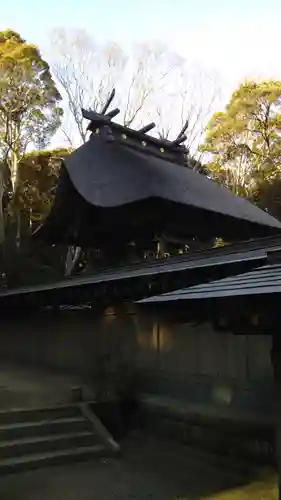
{"points": [[14, 173], [72, 256], [161, 248], [2, 221]]}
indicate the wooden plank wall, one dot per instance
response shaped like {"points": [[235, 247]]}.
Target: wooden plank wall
{"points": [[188, 363]]}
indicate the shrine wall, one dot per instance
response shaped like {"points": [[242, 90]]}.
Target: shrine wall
{"points": [[177, 364]]}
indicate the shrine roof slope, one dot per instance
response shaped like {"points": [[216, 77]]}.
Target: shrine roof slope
{"points": [[110, 175]]}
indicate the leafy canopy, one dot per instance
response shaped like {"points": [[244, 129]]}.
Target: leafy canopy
{"points": [[243, 143], [38, 177], [29, 111]]}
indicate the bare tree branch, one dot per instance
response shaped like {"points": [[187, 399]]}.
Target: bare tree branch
{"points": [[86, 74], [191, 99]]}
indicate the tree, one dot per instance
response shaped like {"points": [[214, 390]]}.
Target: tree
{"points": [[29, 111], [149, 71], [38, 173], [192, 100], [243, 143], [267, 194], [152, 84], [38, 177], [86, 74]]}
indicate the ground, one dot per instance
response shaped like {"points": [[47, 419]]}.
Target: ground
{"points": [[149, 469], [35, 387]]}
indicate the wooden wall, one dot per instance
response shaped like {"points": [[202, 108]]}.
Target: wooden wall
{"points": [[178, 364]]}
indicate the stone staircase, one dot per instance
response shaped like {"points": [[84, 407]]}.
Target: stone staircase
{"points": [[38, 438]]}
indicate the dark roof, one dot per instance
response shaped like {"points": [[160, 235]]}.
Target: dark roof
{"points": [[251, 253], [174, 150], [110, 175], [109, 189], [262, 280]]}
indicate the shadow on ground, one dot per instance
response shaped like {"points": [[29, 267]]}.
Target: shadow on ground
{"points": [[149, 468]]}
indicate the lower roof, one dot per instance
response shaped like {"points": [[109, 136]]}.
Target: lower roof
{"points": [[201, 265], [262, 280]]}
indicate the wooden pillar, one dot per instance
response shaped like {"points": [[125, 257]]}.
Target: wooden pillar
{"points": [[276, 365]]}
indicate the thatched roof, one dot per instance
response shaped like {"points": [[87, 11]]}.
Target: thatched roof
{"points": [[110, 175], [110, 179]]}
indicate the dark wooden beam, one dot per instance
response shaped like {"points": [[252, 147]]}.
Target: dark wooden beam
{"points": [[180, 139], [146, 128], [172, 151], [108, 102], [94, 117], [113, 113], [183, 130]]}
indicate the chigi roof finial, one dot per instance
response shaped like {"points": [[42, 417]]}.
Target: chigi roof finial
{"points": [[101, 124]]}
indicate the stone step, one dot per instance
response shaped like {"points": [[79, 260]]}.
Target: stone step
{"points": [[24, 415], [58, 457], [40, 437], [44, 428], [29, 445]]}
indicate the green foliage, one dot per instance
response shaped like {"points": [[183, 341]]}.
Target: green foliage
{"points": [[29, 111], [267, 195], [32, 263], [243, 143], [38, 175], [29, 117]]}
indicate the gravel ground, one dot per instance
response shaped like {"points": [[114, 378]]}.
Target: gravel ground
{"points": [[149, 468]]}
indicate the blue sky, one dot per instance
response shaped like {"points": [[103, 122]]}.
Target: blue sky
{"points": [[122, 18], [237, 37]]}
